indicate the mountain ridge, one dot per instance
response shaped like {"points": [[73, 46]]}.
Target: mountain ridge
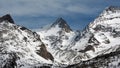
{"points": [[98, 38], [20, 47], [60, 46]]}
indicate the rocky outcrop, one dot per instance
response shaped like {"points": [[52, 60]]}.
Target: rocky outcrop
{"points": [[44, 53], [10, 62], [6, 18]]}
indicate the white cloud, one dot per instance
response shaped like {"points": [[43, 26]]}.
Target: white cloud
{"points": [[42, 7]]}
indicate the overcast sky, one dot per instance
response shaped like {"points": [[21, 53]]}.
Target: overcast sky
{"points": [[34, 14]]}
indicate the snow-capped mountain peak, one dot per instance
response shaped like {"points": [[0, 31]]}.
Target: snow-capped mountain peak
{"points": [[59, 45], [102, 39], [20, 47], [110, 17], [62, 24], [103, 34], [112, 11]]}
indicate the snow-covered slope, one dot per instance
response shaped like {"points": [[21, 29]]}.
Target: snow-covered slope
{"points": [[59, 34], [20, 47], [59, 38], [100, 37], [111, 60], [58, 45]]}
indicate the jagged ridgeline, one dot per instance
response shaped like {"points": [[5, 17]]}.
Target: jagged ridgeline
{"points": [[100, 38], [58, 46]]}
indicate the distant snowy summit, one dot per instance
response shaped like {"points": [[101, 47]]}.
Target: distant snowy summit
{"points": [[58, 46]]}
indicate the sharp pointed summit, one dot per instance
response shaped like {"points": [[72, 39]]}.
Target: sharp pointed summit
{"points": [[6, 17], [59, 21], [62, 24]]}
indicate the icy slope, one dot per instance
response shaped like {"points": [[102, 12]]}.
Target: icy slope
{"points": [[20, 47]]}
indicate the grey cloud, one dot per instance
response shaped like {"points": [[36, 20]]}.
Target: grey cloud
{"points": [[42, 7]]}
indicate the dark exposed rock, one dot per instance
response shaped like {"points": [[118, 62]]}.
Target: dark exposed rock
{"points": [[89, 47], [116, 33], [11, 61], [108, 29], [6, 18], [93, 40], [103, 28], [77, 38], [44, 53], [99, 27], [43, 67], [25, 39], [23, 28], [107, 41]]}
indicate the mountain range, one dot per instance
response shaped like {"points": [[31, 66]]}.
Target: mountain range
{"points": [[58, 46]]}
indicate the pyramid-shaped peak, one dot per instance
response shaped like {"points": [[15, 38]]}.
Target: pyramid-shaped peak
{"points": [[60, 21], [62, 24], [6, 17]]}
